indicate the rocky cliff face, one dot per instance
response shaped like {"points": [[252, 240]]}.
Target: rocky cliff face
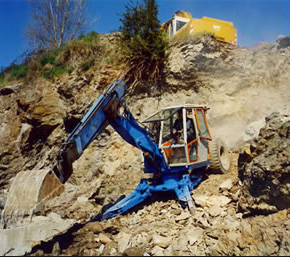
{"points": [[264, 168], [244, 212]]}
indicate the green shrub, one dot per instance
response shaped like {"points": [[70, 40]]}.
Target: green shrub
{"points": [[18, 71], [69, 69], [91, 37], [144, 44], [87, 64], [51, 56], [2, 78], [47, 58], [56, 71], [80, 50], [14, 72]]}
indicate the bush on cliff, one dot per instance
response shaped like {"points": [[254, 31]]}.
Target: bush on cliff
{"points": [[143, 43]]}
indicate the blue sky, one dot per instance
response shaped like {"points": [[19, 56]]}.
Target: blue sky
{"points": [[255, 20]]}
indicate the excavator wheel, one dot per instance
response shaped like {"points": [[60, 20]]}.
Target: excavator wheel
{"points": [[219, 157]]}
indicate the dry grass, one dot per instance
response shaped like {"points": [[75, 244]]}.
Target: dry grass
{"points": [[79, 51]]}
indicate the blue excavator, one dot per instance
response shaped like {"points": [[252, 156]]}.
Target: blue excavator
{"points": [[176, 144]]}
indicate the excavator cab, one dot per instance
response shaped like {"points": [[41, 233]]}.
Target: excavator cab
{"points": [[182, 134]]}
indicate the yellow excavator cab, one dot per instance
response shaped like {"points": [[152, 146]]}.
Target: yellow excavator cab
{"points": [[182, 25]]}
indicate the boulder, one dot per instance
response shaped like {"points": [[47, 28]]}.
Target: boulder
{"points": [[283, 42], [161, 240], [20, 240], [226, 185], [265, 168]]}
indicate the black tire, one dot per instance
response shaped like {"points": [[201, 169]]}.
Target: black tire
{"points": [[219, 157]]}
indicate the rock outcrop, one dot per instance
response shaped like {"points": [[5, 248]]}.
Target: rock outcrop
{"points": [[264, 168]]}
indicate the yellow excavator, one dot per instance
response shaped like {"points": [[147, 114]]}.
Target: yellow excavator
{"points": [[182, 25]]}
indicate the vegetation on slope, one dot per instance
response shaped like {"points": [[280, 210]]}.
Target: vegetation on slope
{"points": [[141, 49], [76, 54], [144, 45]]}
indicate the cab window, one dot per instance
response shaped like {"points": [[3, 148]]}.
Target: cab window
{"points": [[202, 124]]}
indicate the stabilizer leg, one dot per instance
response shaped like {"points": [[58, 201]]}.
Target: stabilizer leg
{"points": [[184, 196], [141, 192], [183, 191]]}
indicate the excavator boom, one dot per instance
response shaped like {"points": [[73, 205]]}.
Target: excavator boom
{"points": [[31, 188], [92, 124]]}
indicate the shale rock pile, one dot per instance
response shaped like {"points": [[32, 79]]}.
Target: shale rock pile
{"points": [[264, 168]]}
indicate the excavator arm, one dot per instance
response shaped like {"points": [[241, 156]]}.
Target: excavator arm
{"points": [[91, 125], [104, 112], [129, 129], [40, 185]]}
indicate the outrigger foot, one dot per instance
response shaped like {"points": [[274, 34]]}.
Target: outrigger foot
{"points": [[141, 192]]}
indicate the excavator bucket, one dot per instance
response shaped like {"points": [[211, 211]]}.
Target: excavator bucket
{"points": [[28, 192], [30, 189]]}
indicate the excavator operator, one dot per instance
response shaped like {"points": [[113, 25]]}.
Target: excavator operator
{"points": [[178, 136]]}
